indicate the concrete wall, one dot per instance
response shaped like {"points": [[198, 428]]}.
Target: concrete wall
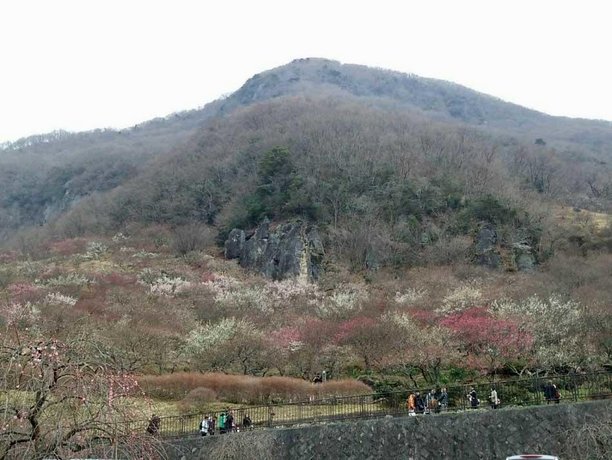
{"points": [[481, 434]]}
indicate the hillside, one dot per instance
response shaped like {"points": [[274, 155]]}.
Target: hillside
{"points": [[393, 231], [43, 176], [435, 98]]}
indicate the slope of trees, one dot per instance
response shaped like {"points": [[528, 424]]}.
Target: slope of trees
{"points": [[44, 176], [386, 188]]}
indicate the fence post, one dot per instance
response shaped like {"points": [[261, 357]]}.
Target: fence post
{"points": [[574, 387], [270, 415]]}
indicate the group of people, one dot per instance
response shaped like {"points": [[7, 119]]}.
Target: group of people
{"points": [[224, 423], [474, 402], [435, 400]]}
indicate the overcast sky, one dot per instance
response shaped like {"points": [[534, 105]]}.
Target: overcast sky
{"points": [[86, 64]]}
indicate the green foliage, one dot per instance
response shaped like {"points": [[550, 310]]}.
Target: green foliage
{"points": [[280, 191], [490, 209], [457, 374], [394, 389], [519, 393]]}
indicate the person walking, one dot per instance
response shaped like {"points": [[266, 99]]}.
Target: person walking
{"points": [[473, 398], [443, 399], [419, 403], [411, 404], [494, 399], [551, 393], [154, 423], [229, 422], [204, 426], [431, 402], [247, 423], [221, 422]]}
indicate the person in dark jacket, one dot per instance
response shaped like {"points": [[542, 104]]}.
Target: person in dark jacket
{"points": [[229, 422], [154, 423], [551, 393], [473, 398], [247, 423], [419, 403], [443, 399]]}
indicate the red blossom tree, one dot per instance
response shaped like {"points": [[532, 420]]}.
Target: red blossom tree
{"points": [[488, 343]]}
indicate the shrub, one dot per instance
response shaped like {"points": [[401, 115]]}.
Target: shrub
{"points": [[410, 296], [8, 256], [67, 279], [394, 389], [242, 389], [191, 237], [95, 249], [23, 291], [491, 209], [461, 298], [343, 387], [6, 277]]}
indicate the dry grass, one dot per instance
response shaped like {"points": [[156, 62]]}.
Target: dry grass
{"points": [[570, 216], [247, 389]]}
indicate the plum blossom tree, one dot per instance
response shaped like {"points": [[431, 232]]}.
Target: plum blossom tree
{"points": [[57, 402], [488, 343], [421, 346], [556, 325], [369, 339]]}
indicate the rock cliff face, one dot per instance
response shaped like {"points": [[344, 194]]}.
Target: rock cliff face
{"points": [[291, 250], [490, 252], [485, 247]]}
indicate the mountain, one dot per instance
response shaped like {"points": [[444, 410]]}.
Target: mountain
{"points": [[436, 98], [191, 166]]}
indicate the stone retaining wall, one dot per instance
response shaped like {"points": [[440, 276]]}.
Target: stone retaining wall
{"points": [[481, 434]]}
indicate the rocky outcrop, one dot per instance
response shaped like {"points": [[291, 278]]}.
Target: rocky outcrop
{"points": [[485, 247], [523, 257], [234, 244], [290, 250], [490, 252]]}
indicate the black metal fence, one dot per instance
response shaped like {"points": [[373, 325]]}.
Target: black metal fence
{"points": [[518, 392]]}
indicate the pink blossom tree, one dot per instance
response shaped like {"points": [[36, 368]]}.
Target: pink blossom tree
{"points": [[488, 343]]}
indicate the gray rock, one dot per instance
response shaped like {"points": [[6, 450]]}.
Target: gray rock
{"points": [[485, 247], [523, 257], [289, 250], [234, 244]]}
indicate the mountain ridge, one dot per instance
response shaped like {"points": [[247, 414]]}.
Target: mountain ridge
{"points": [[47, 175]]}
